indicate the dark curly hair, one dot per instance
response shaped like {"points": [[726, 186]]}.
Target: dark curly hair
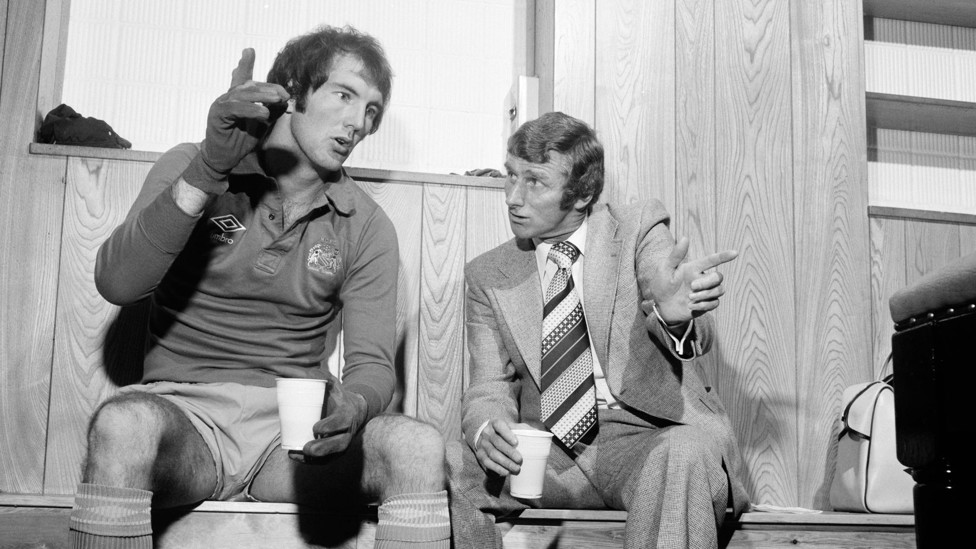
{"points": [[556, 131], [303, 65]]}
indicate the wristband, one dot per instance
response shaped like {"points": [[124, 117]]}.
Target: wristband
{"points": [[202, 176]]}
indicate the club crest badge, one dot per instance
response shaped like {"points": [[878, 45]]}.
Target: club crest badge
{"points": [[324, 257]]}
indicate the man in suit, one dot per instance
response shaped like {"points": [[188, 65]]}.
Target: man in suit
{"points": [[587, 324]]}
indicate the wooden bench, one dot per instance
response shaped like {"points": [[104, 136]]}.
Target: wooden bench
{"points": [[28, 521]]}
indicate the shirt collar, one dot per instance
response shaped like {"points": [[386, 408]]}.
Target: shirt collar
{"points": [[339, 194], [578, 239]]}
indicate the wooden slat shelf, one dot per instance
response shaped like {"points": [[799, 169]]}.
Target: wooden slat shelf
{"points": [[922, 215], [959, 13], [920, 114], [359, 174]]}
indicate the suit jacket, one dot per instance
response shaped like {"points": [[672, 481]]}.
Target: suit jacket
{"points": [[504, 331]]}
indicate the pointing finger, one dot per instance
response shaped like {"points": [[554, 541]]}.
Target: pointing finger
{"points": [[245, 68], [702, 264]]}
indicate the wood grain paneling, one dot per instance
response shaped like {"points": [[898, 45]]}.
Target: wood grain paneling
{"points": [[442, 309], [929, 246], [31, 194], [53, 53], [758, 325], [403, 203], [486, 221], [21, 62], [487, 227], [635, 114], [99, 194], [544, 46], [887, 277], [3, 33], [831, 230], [30, 230], [967, 239], [574, 41], [694, 138]]}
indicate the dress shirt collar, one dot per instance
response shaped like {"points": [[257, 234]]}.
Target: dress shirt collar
{"points": [[578, 239]]}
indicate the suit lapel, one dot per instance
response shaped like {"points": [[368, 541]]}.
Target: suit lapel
{"points": [[520, 301], [600, 280]]}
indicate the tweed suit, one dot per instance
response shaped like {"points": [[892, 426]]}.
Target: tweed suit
{"points": [[669, 456]]}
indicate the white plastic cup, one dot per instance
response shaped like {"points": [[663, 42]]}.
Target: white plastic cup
{"points": [[534, 446], [300, 406]]}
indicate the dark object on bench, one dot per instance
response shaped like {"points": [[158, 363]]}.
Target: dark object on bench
{"points": [[934, 360]]}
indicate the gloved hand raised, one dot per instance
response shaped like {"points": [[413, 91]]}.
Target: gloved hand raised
{"points": [[237, 122]]}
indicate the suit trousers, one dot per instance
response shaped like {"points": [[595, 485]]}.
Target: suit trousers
{"points": [[670, 478]]}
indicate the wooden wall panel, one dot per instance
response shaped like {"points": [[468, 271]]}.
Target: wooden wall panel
{"points": [[21, 63], [694, 139], [442, 309], [967, 239], [53, 52], [3, 33], [544, 50], [928, 246], [99, 194], [403, 203], [635, 112], [487, 221], [487, 227], [564, 56], [31, 195], [30, 229], [832, 264], [574, 59], [758, 325], [887, 277]]}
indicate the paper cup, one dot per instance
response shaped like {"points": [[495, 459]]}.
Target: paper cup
{"points": [[300, 405], [534, 446]]}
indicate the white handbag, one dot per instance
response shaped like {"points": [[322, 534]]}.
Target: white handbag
{"points": [[868, 477]]}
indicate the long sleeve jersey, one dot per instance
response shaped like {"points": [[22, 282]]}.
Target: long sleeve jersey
{"points": [[235, 295]]}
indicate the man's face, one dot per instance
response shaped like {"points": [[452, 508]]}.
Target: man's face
{"points": [[337, 116], [533, 193]]}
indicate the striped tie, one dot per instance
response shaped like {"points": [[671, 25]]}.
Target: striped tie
{"points": [[568, 391]]}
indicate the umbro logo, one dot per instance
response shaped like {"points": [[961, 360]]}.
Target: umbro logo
{"points": [[228, 224]]}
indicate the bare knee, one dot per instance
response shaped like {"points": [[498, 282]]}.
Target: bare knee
{"points": [[404, 455], [123, 439]]}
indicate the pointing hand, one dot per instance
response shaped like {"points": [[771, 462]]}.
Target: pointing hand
{"points": [[682, 288]]}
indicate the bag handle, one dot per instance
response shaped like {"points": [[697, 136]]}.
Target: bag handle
{"points": [[890, 377], [847, 410], [886, 379]]}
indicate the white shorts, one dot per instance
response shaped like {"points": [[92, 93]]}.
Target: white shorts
{"points": [[238, 422]]}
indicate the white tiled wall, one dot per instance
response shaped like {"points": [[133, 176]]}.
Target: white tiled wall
{"points": [[151, 68]]}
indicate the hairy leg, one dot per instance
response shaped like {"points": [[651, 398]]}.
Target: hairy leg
{"points": [[402, 456], [143, 441], [393, 455], [396, 460]]}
